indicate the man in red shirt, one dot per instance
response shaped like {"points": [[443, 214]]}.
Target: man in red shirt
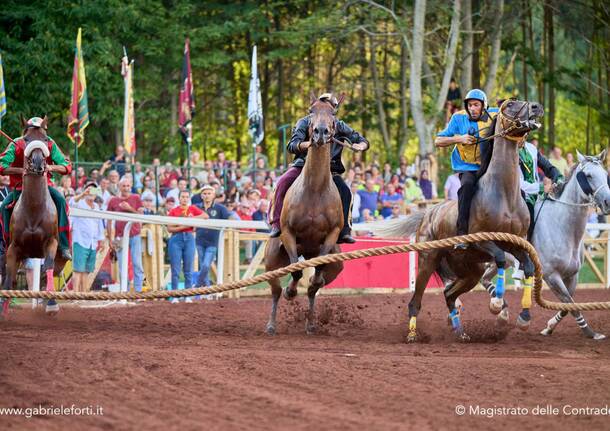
{"points": [[181, 244], [127, 202]]}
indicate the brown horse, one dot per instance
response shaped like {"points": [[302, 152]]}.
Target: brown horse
{"points": [[311, 219], [497, 207], [33, 225]]}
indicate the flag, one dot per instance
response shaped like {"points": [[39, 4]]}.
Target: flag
{"points": [[187, 97], [129, 126], [2, 94], [255, 105], [78, 118]]}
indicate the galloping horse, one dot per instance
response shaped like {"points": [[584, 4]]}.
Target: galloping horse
{"points": [[497, 207], [33, 225], [562, 220], [311, 219]]}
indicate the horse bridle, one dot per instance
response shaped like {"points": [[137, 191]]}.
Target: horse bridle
{"points": [[585, 186], [515, 122]]}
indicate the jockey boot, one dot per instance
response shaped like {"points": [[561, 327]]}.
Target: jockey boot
{"points": [[275, 232], [346, 239], [65, 254]]}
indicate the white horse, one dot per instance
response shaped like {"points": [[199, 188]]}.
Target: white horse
{"points": [[558, 235]]}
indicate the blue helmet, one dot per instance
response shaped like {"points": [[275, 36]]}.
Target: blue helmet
{"points": [[476, 94]]}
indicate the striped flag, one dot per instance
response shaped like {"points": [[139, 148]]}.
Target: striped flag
{"points": [[2, 94], [255, 105], [78, 118], [186, 104], [129, 126]]}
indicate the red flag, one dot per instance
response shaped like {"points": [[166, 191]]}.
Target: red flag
{"points": [[187, 99]]}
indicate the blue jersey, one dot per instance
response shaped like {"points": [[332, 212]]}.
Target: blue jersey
{"points": [[466, 157]]}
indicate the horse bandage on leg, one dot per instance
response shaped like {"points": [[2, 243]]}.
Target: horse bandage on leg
{"points": [[526, 299], [50, 285], [455, 319], [413, 325], [500, 283]]}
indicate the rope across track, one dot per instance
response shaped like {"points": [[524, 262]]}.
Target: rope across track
{"points": [[321, 260]]}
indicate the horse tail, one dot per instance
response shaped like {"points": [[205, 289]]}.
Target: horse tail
{"points": [[398, 228]]}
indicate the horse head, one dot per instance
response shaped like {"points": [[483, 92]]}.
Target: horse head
{"points": [[37, 149], [593, 179], [323, 122], [518, 118]]}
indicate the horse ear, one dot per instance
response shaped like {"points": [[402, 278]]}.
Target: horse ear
{"points": [[579, 156], [45, 122], [340, 100], [312, 97], [23, 121], [602, 155]]}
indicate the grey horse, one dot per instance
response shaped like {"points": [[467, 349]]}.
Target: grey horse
{"points": [[558, 235]]}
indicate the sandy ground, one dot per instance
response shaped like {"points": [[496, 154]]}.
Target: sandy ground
{"points": [[209, 365]]}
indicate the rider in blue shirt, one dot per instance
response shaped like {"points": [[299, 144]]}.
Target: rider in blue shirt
{"points": [[464, 130]]}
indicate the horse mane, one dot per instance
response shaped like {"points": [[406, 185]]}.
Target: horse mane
{"points": [[489, 131]]}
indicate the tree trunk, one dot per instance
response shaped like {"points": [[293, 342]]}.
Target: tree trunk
{"points": [[379, 99], [476, 58], [467, 46], [403, 129], [417, 55], [496, 43]]}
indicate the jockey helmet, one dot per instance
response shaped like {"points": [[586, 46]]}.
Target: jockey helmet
{"points": [[328, 97], [476, 94], [34, 122]]}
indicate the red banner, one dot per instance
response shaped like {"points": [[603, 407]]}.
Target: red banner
{"points": [[390, 271]]}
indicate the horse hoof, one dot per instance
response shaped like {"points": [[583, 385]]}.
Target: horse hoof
{"points": [[495, 305], [52, 309], [597, 336], [546, 332], [523, 324], [503, 317], [310, 329], [270, 330], [411, 338], [289, 294], [463, 337]]}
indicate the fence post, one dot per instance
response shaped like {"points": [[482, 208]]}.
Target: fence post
{"points": [[125, 258]]}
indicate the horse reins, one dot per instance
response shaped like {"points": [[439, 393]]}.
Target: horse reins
{"points": [[514, 123]]}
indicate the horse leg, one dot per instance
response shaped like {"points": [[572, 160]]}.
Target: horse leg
{"points": [[452, 294], [497, 301], [11, 274], [580, 320], [49, 263], [316, 282], [428, 264], [290, 245], [524, 319], [276, 292], [490, 272]]}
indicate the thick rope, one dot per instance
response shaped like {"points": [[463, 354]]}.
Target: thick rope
{"points": [[322, 260]]}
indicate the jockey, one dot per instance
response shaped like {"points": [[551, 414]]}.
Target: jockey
{"points": [[530, 159], [13, 157], [298, 146], [463, 131]]}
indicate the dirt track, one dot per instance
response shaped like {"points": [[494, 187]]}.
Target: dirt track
{"points": [[209, 366]]}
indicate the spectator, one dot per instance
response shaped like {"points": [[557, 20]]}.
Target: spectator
{"points": [[412, 191], [558, 161], [427, 187], [149, 191], [387, 172], [259, 155], [206, 240], [86, 235], [356, 202], [181, 185], [65, 186], [388, 199], [169, 204], [118, 159], [454, 94], [181, 244], [138, 179], [113, 185], [148, 203], [128, 203], [5, 180], [261, 213], [368, 197], [94, 175], [105, 193], [570, 161], [396, 212], [452, 185], [221, 161]]}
